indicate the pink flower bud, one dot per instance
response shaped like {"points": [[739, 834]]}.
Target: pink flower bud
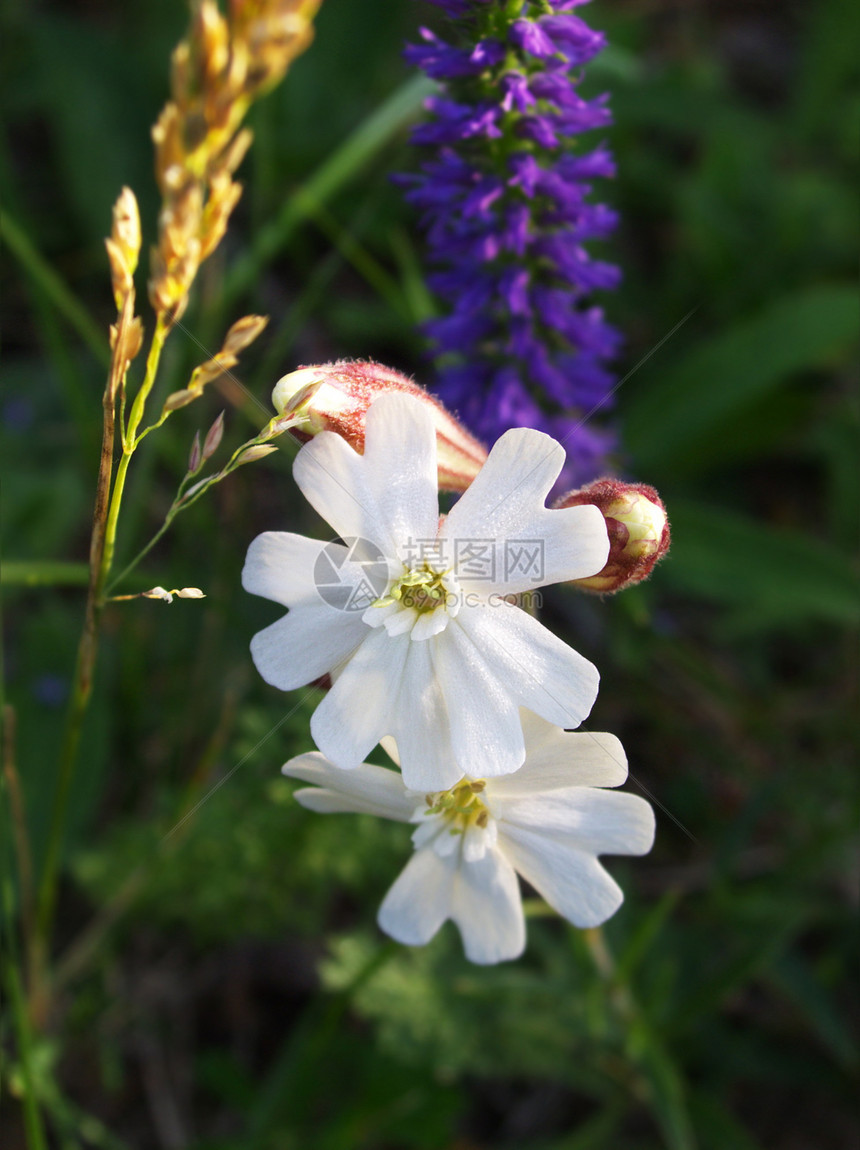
{"points": [[336, 396], [213, 437], [638, 531], [195, 456]]}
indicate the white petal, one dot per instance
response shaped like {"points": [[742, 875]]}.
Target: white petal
{"points": [[376, 616], [447, 843], [421, 724], [539, 671], [488, 909], [400, 466], [486, 733], [399, 622], [522, 466], [429, 624], [333, 478], [592, 820], [533, 545], [420, 899], [389, 745], [571, 881], [357, 711], [280, 566], [558, 758], [428, 830], [475, 843], [535, 730], [307, 643], [369, 789]]}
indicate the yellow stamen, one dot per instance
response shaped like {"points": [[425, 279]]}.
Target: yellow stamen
{"points": [[422, 589], [460, 806]]}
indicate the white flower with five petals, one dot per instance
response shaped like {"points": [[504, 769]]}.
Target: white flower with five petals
{"points": [[548, 822], [440, 660]]}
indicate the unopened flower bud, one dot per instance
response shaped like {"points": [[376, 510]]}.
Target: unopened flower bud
{"points": [[638, 531], [157, 593], [213, 437], [195, 456], [258, 451], [336, 396], [168, 596]]}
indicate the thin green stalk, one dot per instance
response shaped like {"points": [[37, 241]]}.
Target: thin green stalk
{"points": [[102, 544], [183, 501], [32, 1117], [18, 825], [130, 441], [660, 1082], [54, 287], [143, 552]]}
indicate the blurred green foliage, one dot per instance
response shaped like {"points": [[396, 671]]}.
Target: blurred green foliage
{"points": [[200, 900]]}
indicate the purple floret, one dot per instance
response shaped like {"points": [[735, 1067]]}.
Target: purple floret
{"points": [[503, 198]]}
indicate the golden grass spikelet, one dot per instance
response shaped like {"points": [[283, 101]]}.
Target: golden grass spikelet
{"points": [[276, 31], [216, 73], [123, 245], [123, 249], [241, 334]]}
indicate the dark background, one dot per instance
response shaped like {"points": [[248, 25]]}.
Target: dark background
{"points": [[232, 990]]}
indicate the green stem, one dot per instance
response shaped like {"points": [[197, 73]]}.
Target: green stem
{"points": [[144, 551], [152, 361], [102, 544], [182, 502], [130, 442], [32, 1118]]}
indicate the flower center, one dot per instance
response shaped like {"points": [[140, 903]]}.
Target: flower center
{"points": [[422, 589], [462, 807]]}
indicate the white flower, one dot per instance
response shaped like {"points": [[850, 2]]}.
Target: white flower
{"points": [[548, 822], [439, 661]]}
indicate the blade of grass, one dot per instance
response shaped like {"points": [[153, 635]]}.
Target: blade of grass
{"points": [[346, 161], [645, 936], [667, 1094], [412, 283], [369, 268], [54, 287], [312, 295], [44, 573], [21, 1022], [287, 1090]]}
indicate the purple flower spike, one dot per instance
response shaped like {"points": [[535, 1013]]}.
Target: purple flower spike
{"points": [[503, 198]]}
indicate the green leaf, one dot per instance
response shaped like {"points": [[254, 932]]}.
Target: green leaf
{"points": [[772, 577], [666, 1095], [681, 412], [792, 976], [719, 1128], [644, 936], [369, 138], [44, 573], [48, 281], [595, 1133]]}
